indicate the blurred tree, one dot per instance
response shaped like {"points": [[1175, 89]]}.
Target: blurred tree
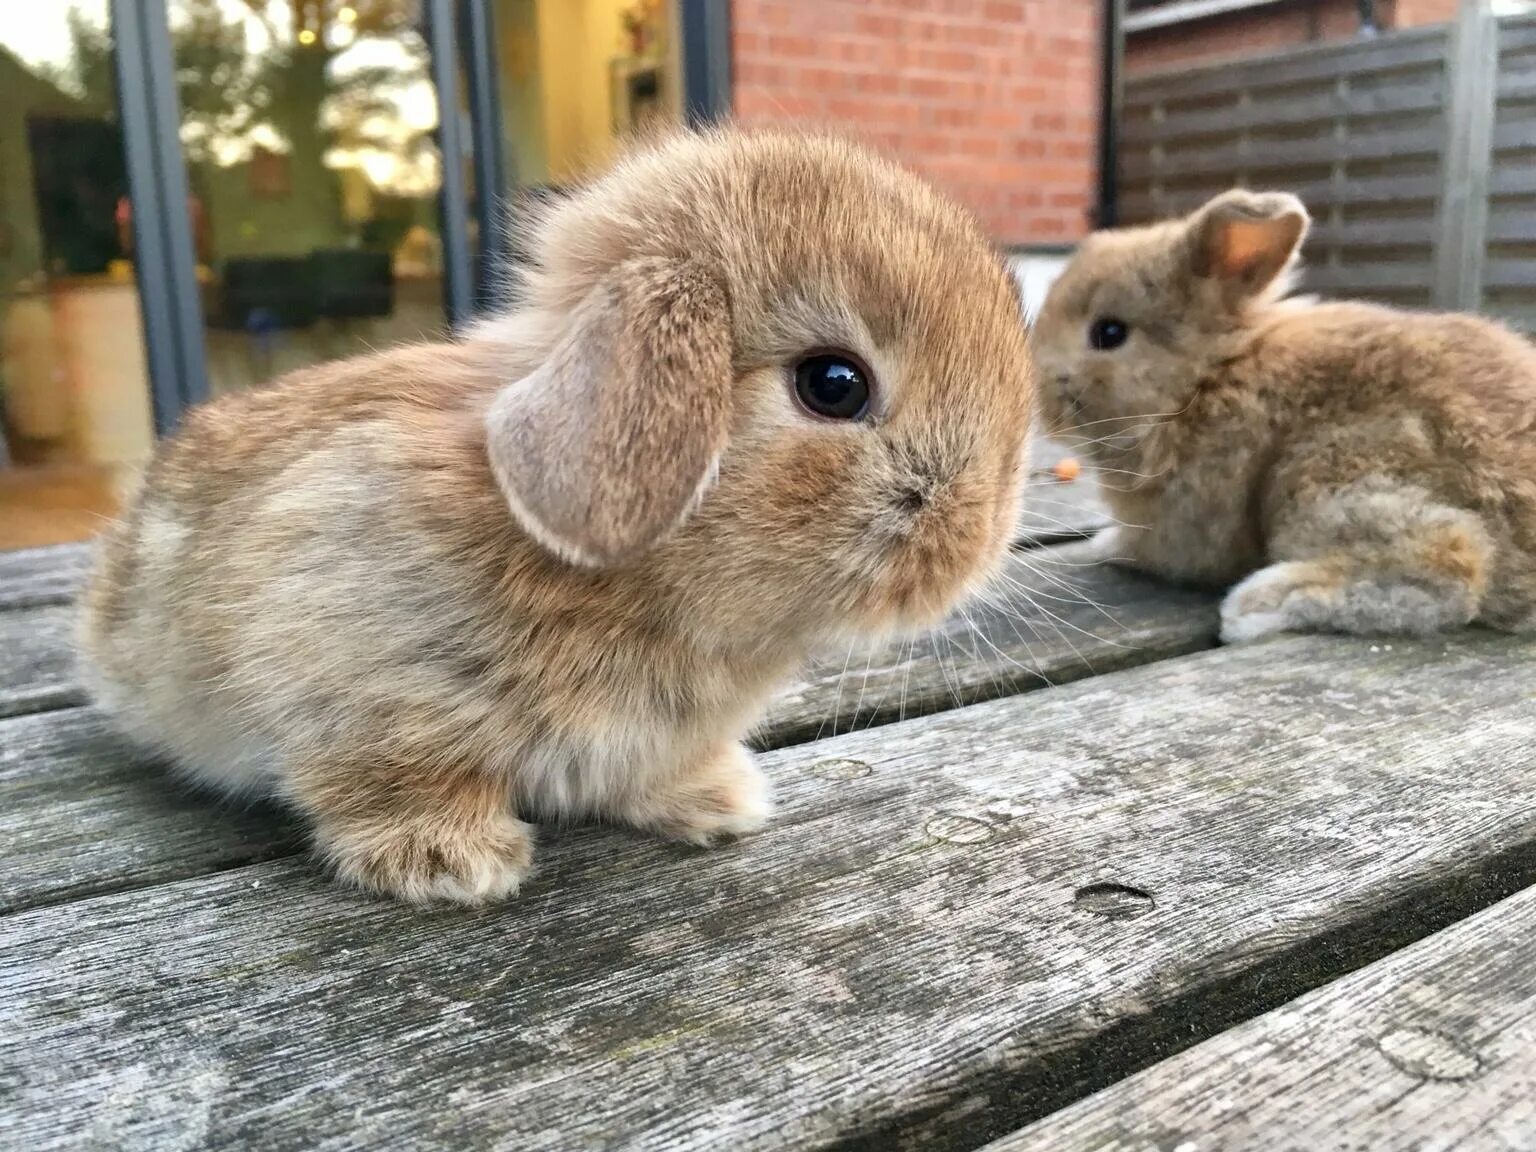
{"points": [[244, 81]]}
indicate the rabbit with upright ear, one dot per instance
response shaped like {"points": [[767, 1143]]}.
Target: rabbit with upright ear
{"points": [[1352, 468], [763, 391]]}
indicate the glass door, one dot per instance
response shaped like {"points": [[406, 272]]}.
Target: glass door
{"points": [[575, 78], [307, 130], [291, 167], [74, 391]]}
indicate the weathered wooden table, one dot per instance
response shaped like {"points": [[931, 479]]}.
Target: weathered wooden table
{"points": [[1074, 878]]}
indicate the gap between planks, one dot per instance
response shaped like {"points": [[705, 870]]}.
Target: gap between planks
{"points": [[1432, 1047]]}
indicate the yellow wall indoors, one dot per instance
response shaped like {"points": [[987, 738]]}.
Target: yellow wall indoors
{"points": [[522, 80], [577, 42]]}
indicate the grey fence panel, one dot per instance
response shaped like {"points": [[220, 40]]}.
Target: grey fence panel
{"points": [[1509, 269], [1416, 156]]}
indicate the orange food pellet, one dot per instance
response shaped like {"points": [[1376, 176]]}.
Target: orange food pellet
{"points": [[1067, 468]]}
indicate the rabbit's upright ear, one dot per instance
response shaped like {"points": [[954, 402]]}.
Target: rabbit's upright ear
{"points": [[609, 444], [1246, 240]]}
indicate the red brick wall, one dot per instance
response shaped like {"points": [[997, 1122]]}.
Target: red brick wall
{"points": [[995, 100], [1270, 29]]}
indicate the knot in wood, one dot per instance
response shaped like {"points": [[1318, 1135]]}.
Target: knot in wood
{"points": [[840, 769], [1429, 1055], [1113, 901], [958, 829]]}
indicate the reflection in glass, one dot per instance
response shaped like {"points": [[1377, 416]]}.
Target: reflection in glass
{"points": [[577, 77], [307, 129], [74, 395]]}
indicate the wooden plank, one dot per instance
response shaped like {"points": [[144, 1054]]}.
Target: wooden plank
{"points": [[30, 577], [1517, 34], [1146, 205], [1516, 81], [1401, 51], [1360, 278], [1248, 155], [1399, 232], [1429, 1048], [1510, 273], [80, 813], [1288, 110], [955, 925], [1515, 133], [1177, 12], [37, 666], [1511, 225], [1514, 176]]}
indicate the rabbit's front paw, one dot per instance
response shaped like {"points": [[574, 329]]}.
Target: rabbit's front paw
{"points": [[723, 797], [425, 860]]}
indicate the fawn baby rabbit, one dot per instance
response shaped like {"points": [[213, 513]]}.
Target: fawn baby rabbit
{"points": [[763, 390], [1354, 468]]}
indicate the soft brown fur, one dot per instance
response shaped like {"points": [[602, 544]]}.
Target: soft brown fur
{"points": [[558, 567], [1358, 469]]}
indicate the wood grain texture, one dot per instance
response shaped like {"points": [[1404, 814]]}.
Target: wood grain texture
{"points": [[955, 925], [1433, 1047], [37, 666], [30, 577], [1053, 618], [83, 813]]}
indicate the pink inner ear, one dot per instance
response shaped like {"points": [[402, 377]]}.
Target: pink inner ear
{"points": [[1250, 246]]}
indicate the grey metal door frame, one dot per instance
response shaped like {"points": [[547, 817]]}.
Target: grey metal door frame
{"points": [[460, 34], [170, 304]]}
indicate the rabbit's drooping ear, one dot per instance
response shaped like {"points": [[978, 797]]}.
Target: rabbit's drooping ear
{"points": [[607, 446], [1245, 240]]}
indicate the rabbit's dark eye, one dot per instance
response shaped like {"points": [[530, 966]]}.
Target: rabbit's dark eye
{"points": [[833, 385], [1107, 334]]}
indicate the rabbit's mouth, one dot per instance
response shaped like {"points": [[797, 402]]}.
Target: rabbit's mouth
{"points": [[1064, 407], [936, 553]]}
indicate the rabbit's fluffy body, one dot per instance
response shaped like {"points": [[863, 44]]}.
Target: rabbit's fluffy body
{"points": [[557, 568], [1351, 467]]}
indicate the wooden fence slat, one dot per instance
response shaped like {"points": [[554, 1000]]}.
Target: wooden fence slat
{"points": [[1512, 178], [1511, 225], [1509, 274], [81, 813], [1515, 134], [1421, 140], [1428, 1048], [1401, 51], [955, 926], [1320, 108], [1368, 278], [1398, 232], [1143, 206], [1517, 34]]}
